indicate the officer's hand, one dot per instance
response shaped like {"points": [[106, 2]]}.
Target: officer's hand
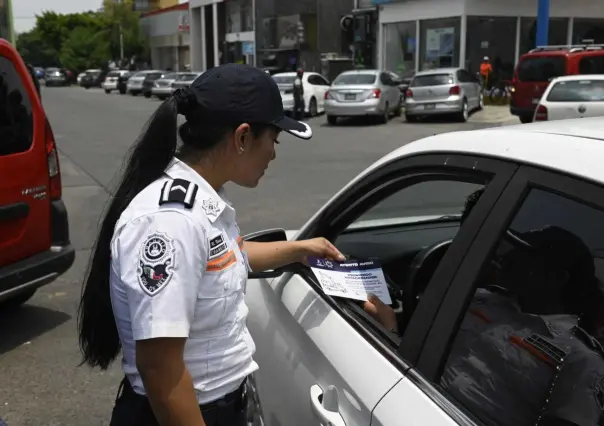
{"points": [[381, 312], [319, 247]]}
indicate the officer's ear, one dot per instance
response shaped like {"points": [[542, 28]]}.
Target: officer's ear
{"points": [[243, 136]]}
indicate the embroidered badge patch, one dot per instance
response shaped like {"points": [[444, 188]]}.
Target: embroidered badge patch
{"points": [[156, 263], [211, 207], [218, 246]]}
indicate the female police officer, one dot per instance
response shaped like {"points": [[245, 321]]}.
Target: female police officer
{"points": [[167, 278]]}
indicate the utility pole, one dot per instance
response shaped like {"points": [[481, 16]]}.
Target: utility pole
{"points": [[121, 39]]}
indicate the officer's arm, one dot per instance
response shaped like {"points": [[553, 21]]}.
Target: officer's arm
{"points": [[267, 256], [162, 257]]}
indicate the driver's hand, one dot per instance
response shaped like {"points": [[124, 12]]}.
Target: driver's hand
{"points": [[381, 312]]}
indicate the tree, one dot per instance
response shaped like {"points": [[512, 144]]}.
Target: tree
{"points": [[123, 19], [84, 49]]}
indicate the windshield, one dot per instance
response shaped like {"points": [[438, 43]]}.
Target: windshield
{"points": [[541, 68], [357, 78], [577, 91], [432, 80], [171, 76], [284, 79]]}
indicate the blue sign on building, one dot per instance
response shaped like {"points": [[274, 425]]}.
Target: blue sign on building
{"points": [[247, 47]]}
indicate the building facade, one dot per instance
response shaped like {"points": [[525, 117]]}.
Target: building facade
{"points": [[7, 31], [266, 33], [168, 33], [423, 34]]}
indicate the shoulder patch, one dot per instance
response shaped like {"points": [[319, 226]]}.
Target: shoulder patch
{"points": [[211, 207], [217, 246], [156, 263], [178, 191]]}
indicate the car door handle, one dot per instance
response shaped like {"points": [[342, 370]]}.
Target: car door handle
{"points": [[325, 405], [14, 211]]}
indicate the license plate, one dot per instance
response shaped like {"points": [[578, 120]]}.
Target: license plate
{"points": [[536, 101], [429, 106], [350, 97]]}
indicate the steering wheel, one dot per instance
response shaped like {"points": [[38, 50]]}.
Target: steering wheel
{"points": [[421, 270]]}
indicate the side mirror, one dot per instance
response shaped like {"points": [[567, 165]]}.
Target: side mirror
{"points": [[269, 236]]}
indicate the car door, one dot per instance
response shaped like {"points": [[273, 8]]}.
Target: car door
{"points": [[24, 181], [535, 203], [322, 359], [321, 85]]}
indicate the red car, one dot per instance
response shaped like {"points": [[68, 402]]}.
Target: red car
{"points": [[34, 233]]}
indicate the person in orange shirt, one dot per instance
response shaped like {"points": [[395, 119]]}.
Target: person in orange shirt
{"points": [[486, 69]]}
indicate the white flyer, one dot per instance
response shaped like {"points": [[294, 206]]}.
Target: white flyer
{"points": [[353, 279]]}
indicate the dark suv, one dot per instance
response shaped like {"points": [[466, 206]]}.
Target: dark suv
{"points": [[34, 233]]}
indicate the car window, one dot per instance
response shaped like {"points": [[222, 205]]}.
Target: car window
{"points": [[322, 81], [432, 80], [528, 347], [313, 80], [591, 65], [385, 79], [284, 79], [577, 91], [541, 68], [16, 118], [171, 76], [356, 78]]}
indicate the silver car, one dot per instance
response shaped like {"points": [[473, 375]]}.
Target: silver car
{"points": [[162, 87], [135, 83], [443, 91], [185, 79], [363, 93]]}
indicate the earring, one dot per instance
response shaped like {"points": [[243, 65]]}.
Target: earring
{"points": [[241, 149]]}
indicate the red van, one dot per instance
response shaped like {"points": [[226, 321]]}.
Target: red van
{"points": [[536, 68], [34, 233]]}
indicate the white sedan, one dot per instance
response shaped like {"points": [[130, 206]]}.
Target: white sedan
{"points": [[461, 358], [572, 96], [315, 87]]}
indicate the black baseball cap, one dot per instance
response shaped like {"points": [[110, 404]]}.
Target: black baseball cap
{"points": [[236, 93]]}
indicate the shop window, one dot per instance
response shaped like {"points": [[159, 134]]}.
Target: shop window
{"points": [[400, 47], [588, 29], [492, 37], [439, 42], [557, 34]]}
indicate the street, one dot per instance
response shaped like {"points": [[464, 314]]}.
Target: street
{"points": [[41, 382]]}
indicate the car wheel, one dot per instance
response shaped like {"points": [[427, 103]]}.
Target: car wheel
{"points": [[107, 91], [312, 108], [410, 118], [481, 102], [525, 119], [332, 120], [464, 114], [19, 299], [386, 116]]}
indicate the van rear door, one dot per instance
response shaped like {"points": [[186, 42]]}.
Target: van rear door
{"points": [[24, 179], [533, 74]]}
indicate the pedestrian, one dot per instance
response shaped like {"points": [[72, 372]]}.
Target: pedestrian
{"points": [[167, 277], [299, 95]]}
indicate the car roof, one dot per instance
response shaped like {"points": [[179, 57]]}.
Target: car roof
{"points": [[361, 71], [437, 71], [579, 77], [573, 147]]}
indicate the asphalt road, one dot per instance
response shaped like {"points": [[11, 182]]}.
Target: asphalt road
{"points": [[40, 381]]}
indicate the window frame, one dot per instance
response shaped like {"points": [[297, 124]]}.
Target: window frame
{"points": [[444, 328]]}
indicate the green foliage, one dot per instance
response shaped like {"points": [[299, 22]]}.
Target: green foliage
{"points": [[79, 41]]}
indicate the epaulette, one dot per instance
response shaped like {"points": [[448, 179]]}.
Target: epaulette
{"points": [[178, 191], [588, 339]]}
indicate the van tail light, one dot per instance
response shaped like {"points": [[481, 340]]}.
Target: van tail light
{"points": [[541, 113], [376, 94], [409, 93], [455, 90], [52, 156], [326, 95]]}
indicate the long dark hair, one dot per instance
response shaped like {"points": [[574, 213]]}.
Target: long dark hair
{"points": [[146, 162]]}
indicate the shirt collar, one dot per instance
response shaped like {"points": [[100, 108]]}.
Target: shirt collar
{"points": [[213, 202]]}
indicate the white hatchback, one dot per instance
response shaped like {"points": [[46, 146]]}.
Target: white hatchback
{"points": [[572, 96], [315, 86], [468, 227]]}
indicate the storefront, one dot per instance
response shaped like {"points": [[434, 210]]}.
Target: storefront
{"points": [[424, 34]]}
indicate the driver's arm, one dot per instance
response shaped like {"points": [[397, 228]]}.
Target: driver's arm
{"points": [[381, 312]]}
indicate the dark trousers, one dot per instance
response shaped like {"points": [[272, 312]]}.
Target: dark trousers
{"points": [[299, 108], [132, 409]]}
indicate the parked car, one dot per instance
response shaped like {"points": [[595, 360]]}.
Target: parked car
{"points": [[405, 212], [135, 82], [538, 67], [150, 80], [185, 79], [35, 247], [315, 86], [443, 91], [111, 80], [55, 77], [93, 79], [162, 87], [360, 93], [122, 82]]}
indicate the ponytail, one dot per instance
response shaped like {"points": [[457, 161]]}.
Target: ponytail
{"points": [[148, 158]]}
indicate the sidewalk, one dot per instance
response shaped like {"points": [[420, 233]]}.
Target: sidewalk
{"points": [[494, 115]]}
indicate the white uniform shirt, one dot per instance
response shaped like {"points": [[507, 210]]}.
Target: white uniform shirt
{"points": [[178, 270]]}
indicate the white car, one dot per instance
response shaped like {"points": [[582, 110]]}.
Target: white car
{"points": [[324, 360], [89, 71], [134, 86], [572, 96], [110, 82], [315, 86]]}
